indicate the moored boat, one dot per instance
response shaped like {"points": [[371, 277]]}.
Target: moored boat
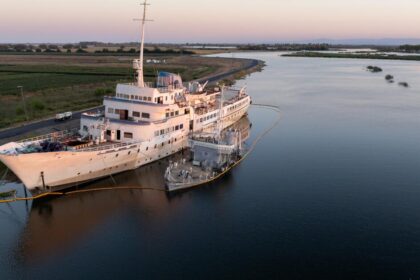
{"points": [[212, 155], [143, 122]]}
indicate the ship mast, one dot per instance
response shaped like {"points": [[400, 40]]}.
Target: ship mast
{"points": [[219, 120], [140, 74]]}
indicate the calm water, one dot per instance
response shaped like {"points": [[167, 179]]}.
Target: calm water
{"points": [[332, 193]]}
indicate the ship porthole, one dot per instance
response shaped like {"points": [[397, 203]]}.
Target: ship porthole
{"points": [[116, 155]]}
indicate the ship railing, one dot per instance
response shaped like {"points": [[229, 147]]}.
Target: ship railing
{"points": [[221, 147], [109, 147], [50, 136], [161, 89]]}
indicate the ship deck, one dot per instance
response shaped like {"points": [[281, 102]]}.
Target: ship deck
{"points": [[186, 175], [60, 142]]}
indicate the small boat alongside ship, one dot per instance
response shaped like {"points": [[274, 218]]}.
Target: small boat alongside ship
{"points": [[212, 155]]}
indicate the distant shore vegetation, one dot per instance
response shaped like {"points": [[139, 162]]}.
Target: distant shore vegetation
{"points": [[284, 47], [131, 48], [369, 55], [91, 48], [410, 48]]}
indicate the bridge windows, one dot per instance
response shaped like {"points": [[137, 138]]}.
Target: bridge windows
{"points": [[128, 135]]}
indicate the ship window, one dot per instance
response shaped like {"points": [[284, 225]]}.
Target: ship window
{"points": [[145, 115], [108, 132], [177, 127], [128, 135], [117, 111], [136, 114], [176, 113], [172, 114], [167, 115], [85, 128], [147, 148], [166, 98], [149, 99], [111, 110], [181, 126], [162, 132]]}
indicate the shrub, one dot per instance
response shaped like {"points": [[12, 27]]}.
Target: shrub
{"points": [[19, 111], [100, 92], [37, 105]]}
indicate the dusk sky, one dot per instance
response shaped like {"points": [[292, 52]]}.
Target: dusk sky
{"points": [[230, 21]]}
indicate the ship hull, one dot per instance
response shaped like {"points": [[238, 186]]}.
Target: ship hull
{"points": [[42, 172]]}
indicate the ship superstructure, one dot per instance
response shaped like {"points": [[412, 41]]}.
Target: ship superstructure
{"points": [[143, 122]]}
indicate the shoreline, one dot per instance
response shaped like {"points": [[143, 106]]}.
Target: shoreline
{"points": [[354, 56]]}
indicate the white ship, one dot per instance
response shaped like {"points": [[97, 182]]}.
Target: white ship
{"points": [[143, 122]]}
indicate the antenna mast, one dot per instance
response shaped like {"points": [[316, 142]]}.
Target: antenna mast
{"points": [[140, 78]]}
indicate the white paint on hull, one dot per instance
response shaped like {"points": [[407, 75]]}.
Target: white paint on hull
{"points": [[71, 168]]}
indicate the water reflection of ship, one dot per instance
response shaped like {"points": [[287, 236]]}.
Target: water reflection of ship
{"points": [[56, 225]]}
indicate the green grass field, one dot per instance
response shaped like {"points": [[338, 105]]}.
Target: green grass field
{"points": [[40, 77]]}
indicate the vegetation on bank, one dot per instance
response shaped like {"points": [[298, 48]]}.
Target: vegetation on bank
{"points": [[410, 48], [354, 55], [374, 69], [230, 81]]}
